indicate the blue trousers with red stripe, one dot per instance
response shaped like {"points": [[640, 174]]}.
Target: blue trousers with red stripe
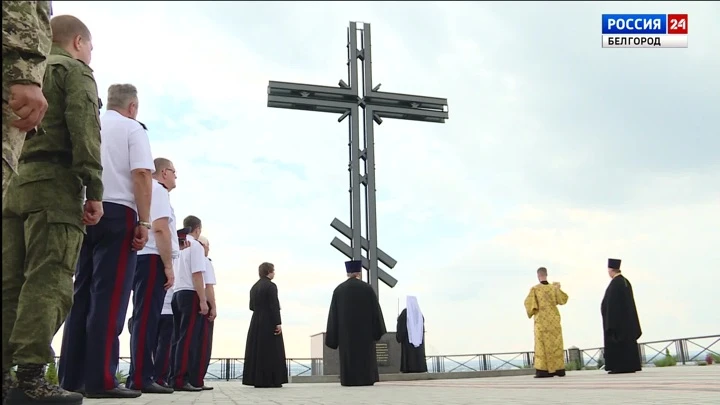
{"points": [[103, 280], [201, 357], [161, 354], [187, 325], [148, 297]]}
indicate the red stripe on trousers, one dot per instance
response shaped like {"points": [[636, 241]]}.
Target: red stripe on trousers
{"points": [[142, 341], [186, 350], [203, 351], [120, 271]]}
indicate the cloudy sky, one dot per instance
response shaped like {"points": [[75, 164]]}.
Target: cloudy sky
{"points": [[558, 153]]}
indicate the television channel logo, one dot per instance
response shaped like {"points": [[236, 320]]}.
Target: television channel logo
{"points": [[644, 30]]}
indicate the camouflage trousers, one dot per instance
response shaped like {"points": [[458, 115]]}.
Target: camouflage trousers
{"points": [[42, 233], [12, 143]]}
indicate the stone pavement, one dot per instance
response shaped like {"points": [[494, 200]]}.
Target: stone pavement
{"points": [[689, 385]]}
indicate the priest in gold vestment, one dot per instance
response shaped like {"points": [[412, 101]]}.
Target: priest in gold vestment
{"points": [[541, 303]]}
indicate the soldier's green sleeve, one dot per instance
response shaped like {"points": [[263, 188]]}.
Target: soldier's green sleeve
{"points": [[26, 41], [83, 122]]}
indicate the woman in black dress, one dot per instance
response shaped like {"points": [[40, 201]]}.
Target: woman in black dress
{"points": [[265, 364]]}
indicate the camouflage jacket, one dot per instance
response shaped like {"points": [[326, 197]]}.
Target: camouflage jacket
{"points": [[70, 131], [26, 41]]}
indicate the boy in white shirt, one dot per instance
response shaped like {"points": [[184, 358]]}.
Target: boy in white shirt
{"points": [[189, 305]]}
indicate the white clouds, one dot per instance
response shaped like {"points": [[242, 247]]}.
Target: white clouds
{"points": [[543, 161]]}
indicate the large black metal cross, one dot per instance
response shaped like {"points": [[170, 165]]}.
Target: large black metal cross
{"points": [[347, 99]]}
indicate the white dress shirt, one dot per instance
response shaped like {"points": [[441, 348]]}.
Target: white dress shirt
{"points": [[160, 207], [209, 275], [167, 304], [192, 260], [124, 147]]}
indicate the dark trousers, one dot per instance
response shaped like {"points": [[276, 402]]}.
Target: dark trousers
{"points": [[148, 297], [161, 355], [103, 280], [187, 324], [201, 358]]}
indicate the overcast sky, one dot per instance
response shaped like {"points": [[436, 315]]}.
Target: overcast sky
{"points": [[557, 153]]}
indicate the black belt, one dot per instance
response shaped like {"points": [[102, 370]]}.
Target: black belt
{"points": [[48, 158]]}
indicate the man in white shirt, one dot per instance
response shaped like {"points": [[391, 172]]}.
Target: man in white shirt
{"points": [[104, 274], [153, 277], [161, 354], [201, 361], [189, 305]]}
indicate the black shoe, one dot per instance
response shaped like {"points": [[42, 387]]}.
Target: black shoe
{"points": [[118, 392], [156, 388], [620, 372], [188, 387], [164, 385], [207, 388], [32, 388]]}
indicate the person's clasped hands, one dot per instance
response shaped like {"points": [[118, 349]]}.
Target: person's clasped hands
{"points": [[28, 103]]}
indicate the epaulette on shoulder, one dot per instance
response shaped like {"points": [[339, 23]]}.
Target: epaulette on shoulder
{"points": [[143, 125]]}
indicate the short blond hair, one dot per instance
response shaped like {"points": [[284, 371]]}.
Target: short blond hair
{"points": [[120, 95], [65, 28]]}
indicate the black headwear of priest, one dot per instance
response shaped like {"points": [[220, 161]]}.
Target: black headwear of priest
{"points": [[614, 264], [353, 266]]}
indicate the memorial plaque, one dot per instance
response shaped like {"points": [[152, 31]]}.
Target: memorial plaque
{"points": [[387, 353], [382, 351]]}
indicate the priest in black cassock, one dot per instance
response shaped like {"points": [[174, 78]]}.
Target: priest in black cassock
{"points": [[265, 364], [355, 323], [411, 336], [621, 324]]}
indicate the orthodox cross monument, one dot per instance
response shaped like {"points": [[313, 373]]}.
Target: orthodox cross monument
{"points": [[347, 100]]}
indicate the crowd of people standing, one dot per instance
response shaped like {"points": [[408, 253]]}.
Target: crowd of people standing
{"points": [[87, 221]]}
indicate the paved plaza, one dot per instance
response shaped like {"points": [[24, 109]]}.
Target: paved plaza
{"points": [[690, 385]]}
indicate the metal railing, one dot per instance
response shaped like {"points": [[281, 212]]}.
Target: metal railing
{"points": [[684, 350]]}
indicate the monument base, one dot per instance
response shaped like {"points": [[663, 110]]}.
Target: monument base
{"points": [[387, 350], [421, 376]]}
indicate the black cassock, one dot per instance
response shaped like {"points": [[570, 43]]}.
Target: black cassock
{"points": [[621, 327], [265, 364], [412, 359], [355, 323]]}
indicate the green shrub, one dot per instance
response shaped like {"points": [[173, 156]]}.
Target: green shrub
{"points": [[701, 363], [121, 377], [667, 361], [51, 374], [572, 366], [716, 358]]}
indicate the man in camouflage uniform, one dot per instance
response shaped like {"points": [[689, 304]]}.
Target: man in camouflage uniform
{"points": [[26, 39], [43, 216]]}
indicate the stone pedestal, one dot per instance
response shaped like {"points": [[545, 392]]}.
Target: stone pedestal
{"points": [[575, 357], [387, 350]]}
